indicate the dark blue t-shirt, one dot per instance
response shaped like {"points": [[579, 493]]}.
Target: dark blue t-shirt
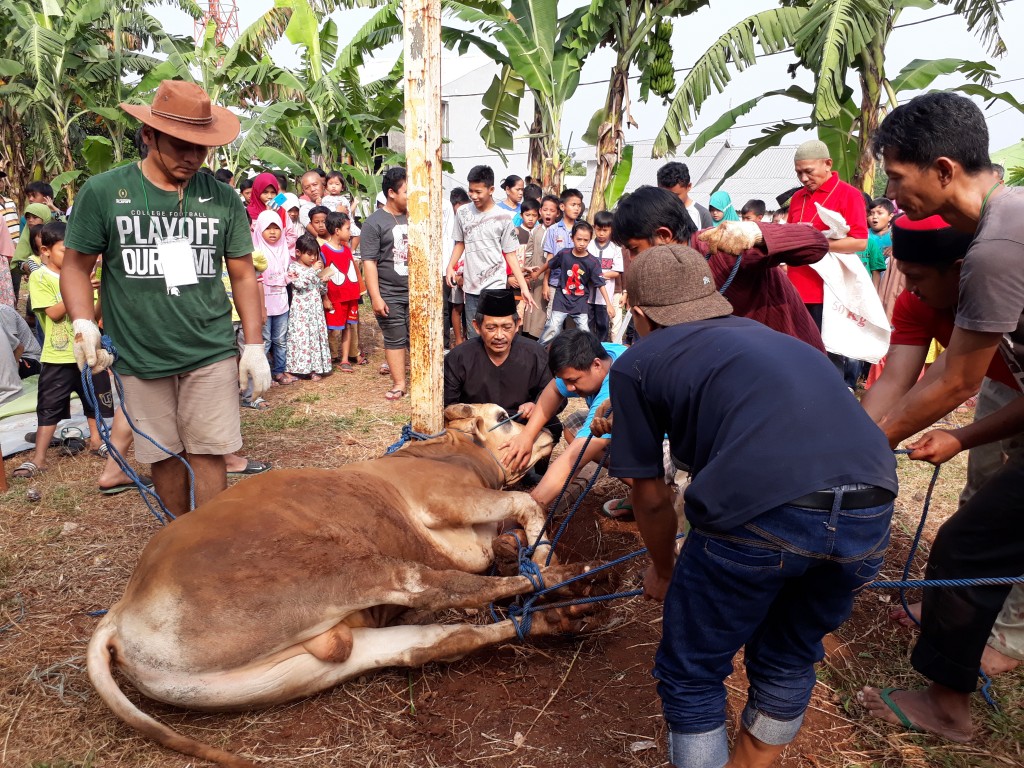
{"points": [[761, 419], [578, 277]]}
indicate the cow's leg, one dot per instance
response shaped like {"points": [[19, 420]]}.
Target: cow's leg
{"points": [[434, 590], [479, 506], [414, 646]]}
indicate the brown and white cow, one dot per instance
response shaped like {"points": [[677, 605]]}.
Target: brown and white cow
{"points": [[294, 581]]}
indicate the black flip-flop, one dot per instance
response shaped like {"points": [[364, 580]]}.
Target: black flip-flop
{"points": [[252, 467], [113, 490]]}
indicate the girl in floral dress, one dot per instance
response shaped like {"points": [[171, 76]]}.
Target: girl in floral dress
{"points": [[308, 350]]}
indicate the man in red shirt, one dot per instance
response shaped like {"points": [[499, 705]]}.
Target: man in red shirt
{"points": [[822, 185]]}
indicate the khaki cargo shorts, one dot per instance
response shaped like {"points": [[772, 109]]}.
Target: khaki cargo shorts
{"points": [[193, 412]]}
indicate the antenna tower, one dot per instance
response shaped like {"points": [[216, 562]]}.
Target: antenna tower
{"points": [[225, 14]]}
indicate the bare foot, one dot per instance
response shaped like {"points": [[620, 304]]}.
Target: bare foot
{"points": [[113, 478], [994, 662], [935, 709], [900, 616]]}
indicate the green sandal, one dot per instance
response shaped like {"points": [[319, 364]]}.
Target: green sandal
{"points": [[618, 509], [895, 708]]}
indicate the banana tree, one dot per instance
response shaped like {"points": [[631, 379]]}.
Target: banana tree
{"points": [[534, 48], [640, 34], [842, 133], [829, 38]]}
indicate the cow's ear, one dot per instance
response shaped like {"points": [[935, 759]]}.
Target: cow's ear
{"points": [[457, 411]]}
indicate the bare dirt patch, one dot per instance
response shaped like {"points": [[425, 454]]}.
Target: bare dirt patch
{"points": [[566, 702]]}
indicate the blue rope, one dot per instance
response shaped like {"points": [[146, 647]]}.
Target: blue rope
{"points": [[579, 502], [164, 515], [732, 275], [408, 433]]}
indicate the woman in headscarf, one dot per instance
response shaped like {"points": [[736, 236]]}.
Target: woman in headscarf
{"points": [[721, 208], [264, 189]]}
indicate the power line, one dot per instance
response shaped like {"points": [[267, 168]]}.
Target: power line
{"points": [[681, 70]]}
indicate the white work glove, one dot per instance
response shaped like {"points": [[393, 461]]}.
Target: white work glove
{"points": [[254, 365], [88, 347], [733, 237]]}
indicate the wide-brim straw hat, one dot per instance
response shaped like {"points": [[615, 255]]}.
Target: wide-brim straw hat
{"points": [[184, 111]]}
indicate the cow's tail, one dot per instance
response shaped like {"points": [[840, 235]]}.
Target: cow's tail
{"points": [[101, 656]]}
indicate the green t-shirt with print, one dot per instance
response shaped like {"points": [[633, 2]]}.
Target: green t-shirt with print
{"points": [[873, 257], [58, 336], [157, 331]]}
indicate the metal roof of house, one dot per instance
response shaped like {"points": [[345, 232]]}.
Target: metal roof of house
{"points": [[763, 177]]}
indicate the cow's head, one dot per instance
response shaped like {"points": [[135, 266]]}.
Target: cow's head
{"points": [[482, 422]]}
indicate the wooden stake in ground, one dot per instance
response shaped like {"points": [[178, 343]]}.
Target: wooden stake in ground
{"points": [[423, 161]]}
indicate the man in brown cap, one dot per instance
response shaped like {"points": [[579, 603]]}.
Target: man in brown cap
{"points": [[776, 550], [166, 233]]}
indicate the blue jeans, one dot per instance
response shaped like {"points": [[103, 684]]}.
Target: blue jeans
{"points": [[557, 320], [775, 587], [275, 341]]}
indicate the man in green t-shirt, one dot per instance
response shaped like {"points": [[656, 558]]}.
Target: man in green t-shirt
{"points": [[165, 232]]}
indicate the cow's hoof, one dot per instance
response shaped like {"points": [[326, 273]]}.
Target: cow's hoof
{"points": [[575, 619], [601, 583], [506, 552]]}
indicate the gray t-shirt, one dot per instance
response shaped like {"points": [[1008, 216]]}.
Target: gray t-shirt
{"points": [[488, 236], [16, 329], [10, 339], [385, 240], [992, 278]]}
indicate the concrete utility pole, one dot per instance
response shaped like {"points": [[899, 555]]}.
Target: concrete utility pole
{"points": [[423, 162]]}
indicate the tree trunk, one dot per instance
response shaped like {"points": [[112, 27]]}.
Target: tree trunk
{"points": [[536, 144], [872, 72], [610, 138], [422, 19]]}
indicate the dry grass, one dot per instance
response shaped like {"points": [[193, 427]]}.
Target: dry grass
{"points": [[553, 703]]}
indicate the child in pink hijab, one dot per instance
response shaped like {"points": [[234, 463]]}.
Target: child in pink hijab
{"points": [[264, 189]]}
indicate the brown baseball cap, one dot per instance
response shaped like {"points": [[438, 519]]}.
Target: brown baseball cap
{"points": [[184, 111], [673, 284]]}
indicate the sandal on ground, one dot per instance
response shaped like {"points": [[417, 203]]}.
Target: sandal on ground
{"points": [[345, 368], [394, 394], [360, 360], [252, 467], [28, 470], [285, 378], [72, 446], [315, 377], [31, 438], [618, 509], [384, 370], [259, 404], [114, 490]]}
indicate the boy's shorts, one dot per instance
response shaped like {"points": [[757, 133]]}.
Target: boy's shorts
{"points": [[192, 412], [458, 297], [57, 382], [348, 310]]}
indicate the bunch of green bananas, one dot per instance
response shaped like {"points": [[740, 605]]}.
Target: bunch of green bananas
{"points": [[658, 73]]}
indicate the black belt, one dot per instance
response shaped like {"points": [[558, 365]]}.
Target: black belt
{"points": [[860, 498]]}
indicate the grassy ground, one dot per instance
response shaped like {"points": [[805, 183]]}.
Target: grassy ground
{"points": [[73, 552]]}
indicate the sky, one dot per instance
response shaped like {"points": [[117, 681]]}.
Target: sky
{"points": [[941, 38]]}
